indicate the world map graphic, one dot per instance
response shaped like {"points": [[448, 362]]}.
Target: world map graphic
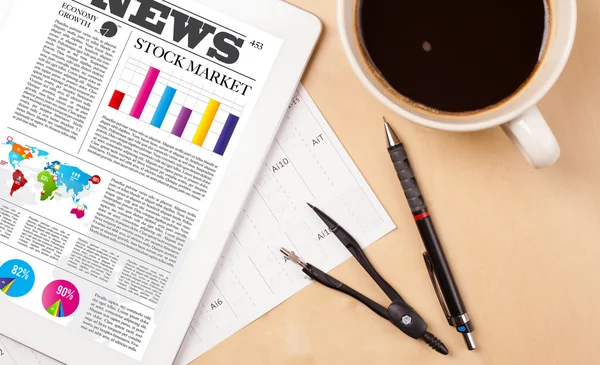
{"points": [[55, 176]]}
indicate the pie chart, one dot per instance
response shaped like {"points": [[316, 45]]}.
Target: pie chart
{"points": [[109, 29], [16, 278], [60, 298]]}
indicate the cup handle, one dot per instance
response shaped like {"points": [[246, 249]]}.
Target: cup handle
{"points": [[533, 138]]}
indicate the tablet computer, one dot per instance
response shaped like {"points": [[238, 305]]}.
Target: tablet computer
{"points": [[130, 134]]}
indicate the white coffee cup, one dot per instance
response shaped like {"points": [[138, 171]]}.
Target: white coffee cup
{"points": [[519, 116]]}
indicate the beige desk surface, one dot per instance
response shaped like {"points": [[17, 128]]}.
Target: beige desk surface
{"points": [[524, 244]]}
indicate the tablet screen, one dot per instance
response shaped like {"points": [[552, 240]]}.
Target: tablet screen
{"points": [[118, 118]]}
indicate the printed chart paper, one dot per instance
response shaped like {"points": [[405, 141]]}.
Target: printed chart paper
{"points": [[307, 163], [12, 353]]}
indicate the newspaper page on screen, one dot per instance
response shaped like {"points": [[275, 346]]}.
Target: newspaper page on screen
{"points": [[116, 117]]}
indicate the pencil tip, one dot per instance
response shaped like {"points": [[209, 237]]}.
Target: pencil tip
{"points": [[391, 137], [310, 205]]}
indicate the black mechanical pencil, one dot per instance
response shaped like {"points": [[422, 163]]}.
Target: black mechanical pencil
{"points": [[435, 259]]}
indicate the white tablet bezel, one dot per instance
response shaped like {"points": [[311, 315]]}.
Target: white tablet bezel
{"points": [[299, 32]]}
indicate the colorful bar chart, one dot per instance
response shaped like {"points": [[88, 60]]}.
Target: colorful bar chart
{"points": [[181, 122], [198, 113], [116, 100], [207, 119], [144, 94], [163, 107], [226, 134]]}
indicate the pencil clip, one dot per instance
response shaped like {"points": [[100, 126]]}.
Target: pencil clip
{"points": [[436, 288]]}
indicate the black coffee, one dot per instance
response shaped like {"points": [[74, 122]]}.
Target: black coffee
{"points": [[453, 55]]}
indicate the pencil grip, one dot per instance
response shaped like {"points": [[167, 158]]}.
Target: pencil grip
{"points": [[407, 179]]}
